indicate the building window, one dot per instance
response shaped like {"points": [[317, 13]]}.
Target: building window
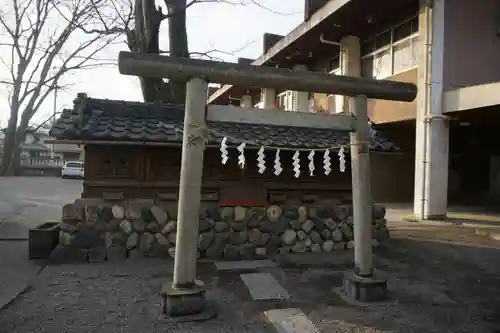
{"points": [[391, 52], [381, 61], [405, 55], [334, 64]]}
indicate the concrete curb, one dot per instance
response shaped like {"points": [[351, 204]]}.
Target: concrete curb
{"points": [[492, 233], [22, 288]]}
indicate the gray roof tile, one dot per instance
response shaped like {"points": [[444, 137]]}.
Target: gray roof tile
{"points": [[133, 121]]}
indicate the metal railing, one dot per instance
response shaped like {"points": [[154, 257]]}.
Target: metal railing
{"points": [[42, 163]]}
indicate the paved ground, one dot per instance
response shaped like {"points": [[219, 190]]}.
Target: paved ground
{"points": [[443, 278], [26, 202]]}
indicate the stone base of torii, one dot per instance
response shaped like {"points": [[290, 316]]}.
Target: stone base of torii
{"points": [[184, 296]]}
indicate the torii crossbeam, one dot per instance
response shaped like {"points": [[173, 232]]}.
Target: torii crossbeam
{"points": [[184, 297]]}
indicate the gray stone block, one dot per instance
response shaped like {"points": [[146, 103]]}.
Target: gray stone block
{"points": [[186, 304], [96, 254], [365, 289], [221, 226], [205, 240], [238, 238], [295, 224], [205, 225], [316, 237], [231, 252], [88, 237], [246, 251]]}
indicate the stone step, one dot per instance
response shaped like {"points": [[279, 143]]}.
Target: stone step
{"points": [[290, 321], [243, 265], [263, 286]]}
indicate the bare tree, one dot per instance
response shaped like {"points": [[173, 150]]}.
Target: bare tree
{"points": [[42, 42], [143, 37]]}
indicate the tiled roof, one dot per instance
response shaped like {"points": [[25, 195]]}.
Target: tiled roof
{"points": [[133, 121], [33, 146]]}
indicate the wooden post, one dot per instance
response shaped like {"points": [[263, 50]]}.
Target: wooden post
{"points": [[193, 148], [186, 296], [361, 187], [362, 284]]}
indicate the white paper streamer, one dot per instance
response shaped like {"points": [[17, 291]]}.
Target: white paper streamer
{"points": [[261, 160], [223, 150], [296, 164], [241, 156], [327, 165], [341, 159], [311, 163], [277, 164], [278, 168]]}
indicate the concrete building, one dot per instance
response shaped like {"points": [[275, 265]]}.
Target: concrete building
{"points": [[448, 48]]}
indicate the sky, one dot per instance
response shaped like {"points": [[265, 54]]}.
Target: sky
{"points": [[233, 29]]}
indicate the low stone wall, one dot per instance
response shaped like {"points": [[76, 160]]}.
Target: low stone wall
{"points": [[143, 228]]}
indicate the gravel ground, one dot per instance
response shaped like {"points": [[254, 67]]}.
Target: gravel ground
{"points": [[436, 286], [116, 298], [443, 278]]}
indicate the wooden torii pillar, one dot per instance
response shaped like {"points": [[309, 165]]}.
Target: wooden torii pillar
{"points": [[184, 298]]}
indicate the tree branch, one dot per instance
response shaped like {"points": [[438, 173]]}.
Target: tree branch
{"points": [[40, 55]]}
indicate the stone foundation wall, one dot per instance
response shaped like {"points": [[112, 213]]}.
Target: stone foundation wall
{"points": [[143, 228]]}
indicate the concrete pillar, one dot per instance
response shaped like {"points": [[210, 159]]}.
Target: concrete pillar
{"points": [[331, 104], [185, 296], [302, 97], [190, 186], [82, 154], [361, 187], [363, 283], [246, 102], [432, 128], [350, 64], [268, 98]]}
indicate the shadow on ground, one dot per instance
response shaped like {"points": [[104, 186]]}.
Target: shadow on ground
{"points": [[435, 287]]}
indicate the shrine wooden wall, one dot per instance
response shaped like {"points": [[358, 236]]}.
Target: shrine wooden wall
{"points": [[128, 172]]}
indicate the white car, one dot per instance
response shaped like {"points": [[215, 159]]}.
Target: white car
{"points": [[73, 169]]}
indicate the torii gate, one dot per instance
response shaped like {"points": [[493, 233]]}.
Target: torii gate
{"points": [[184, 298]]}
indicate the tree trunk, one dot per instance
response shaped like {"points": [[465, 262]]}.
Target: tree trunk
{"points": [[178, 42], [145, 38], [9, 147], [12, 154], [15, 164]]}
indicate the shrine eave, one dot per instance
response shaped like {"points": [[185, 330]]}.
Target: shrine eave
{"points": [[102, 121]]}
